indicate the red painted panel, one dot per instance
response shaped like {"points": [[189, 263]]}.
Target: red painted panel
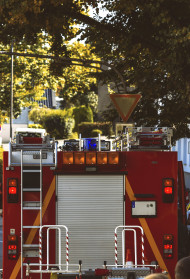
{"points": [[145, 173], [12, 219]]}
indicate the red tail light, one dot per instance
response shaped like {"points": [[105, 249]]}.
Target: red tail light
{"points": [[168, 190], [12, 247], [168, 246], [12, 190]]}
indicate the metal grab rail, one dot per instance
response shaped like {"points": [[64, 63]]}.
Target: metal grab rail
{"points": [[53, 270], [123, 246], [47, 145], [54, 227]]}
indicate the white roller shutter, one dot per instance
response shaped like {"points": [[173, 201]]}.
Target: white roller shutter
{"points": [[91, 206]]}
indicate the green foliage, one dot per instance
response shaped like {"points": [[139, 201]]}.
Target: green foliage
{"points": [[82, 114], [58, 123], [95, 133], [36, 114], [74, 115], [35, 126], [79, 86], [147, 42], [27, 18], [1, 154], [86, 128], [151, 50], [31, 75], [73, 136], [110, 113]]}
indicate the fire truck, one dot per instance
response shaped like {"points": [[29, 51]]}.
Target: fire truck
{"points": [[88, 212]]}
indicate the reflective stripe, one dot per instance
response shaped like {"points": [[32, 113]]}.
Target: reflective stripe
{"points": [[146, 229], [36, 223]]}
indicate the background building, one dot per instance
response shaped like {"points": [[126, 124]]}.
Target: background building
{"points": [[183, 148], [48, 100]]}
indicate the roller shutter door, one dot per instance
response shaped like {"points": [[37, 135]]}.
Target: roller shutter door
{"points": [[91, 206]]}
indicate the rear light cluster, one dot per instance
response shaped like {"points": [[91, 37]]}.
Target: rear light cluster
{"points": [[168, 246], [12, 247], [90, 158], [12, 189], [168, 190]]}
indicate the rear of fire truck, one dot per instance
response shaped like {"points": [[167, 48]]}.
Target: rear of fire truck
{"points": [[87, 211]]}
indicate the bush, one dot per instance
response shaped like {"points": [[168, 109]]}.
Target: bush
{"points": [[73, 136], [86, 128], [82, 114], [58, 123], [36, 126], [36, 114], [95, 133]]}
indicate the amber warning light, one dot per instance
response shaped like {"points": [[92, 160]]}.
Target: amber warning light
{"points": [[90, 158]]}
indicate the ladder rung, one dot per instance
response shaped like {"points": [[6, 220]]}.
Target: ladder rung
{"points": [[32, 203], [31, 208], [31, 189], [31, 170], [31, 227], [30, 245]]}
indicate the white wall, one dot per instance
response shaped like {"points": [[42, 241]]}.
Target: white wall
{"points": [[183, 148], [5, 131]]}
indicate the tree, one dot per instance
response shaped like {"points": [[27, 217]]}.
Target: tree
{"points": [[79, 86], [147, 41], [151, 49], [61, 123], [31, 76], [73, 83]]}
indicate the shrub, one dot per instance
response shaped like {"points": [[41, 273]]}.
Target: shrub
{"points": [[36, 114], [73, 136], [86, 128], [36, 126], [82, 114], [58, 123], [95, 133]]}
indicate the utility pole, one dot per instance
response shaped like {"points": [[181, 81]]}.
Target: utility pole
{"points": [[11, 108]]}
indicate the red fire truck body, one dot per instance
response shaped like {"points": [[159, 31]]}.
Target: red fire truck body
{"points": [[120, 209]]}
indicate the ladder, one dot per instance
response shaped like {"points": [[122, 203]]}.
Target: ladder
{"points": [[30, 249], [31, 157]]}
